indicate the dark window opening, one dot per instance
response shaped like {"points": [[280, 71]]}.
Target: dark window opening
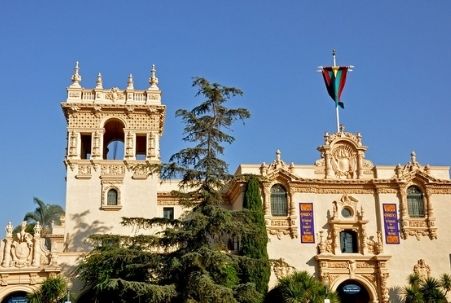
{"points": [[279, 202], [415, 202], [168, 213], [85, 152], [141, 147], [348, 241], [111, 197], [234, 244]]}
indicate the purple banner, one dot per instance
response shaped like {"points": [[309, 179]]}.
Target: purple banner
{"points": [[307, 225], [391, 224]]}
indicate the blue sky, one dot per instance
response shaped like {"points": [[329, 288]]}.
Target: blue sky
{"points": [[397, 97]]}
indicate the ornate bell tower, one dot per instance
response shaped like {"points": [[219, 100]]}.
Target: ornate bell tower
{"points": [[112, 140]]}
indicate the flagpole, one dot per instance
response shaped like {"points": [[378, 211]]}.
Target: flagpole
{"points": [[338, 118], [336, 102]]}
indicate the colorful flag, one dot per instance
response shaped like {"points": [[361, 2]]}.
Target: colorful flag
{"points": [[335, 79]]}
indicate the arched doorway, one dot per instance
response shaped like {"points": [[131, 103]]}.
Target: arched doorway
{"points": [[16, 297], [352, 291]]}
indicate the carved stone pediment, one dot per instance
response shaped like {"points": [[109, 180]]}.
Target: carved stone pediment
{"points": [[343, 157], [278, 165]]}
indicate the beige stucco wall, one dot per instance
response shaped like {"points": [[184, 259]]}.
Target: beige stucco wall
{"points": [[84, 213]]}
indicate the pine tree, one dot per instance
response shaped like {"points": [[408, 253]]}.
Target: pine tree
{"points": [[188, 261], [255, 245]]}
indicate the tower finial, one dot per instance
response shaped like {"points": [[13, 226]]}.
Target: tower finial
{"points": [[99, 81], [413, 157], [153, 80], [130, 82], [278, 156], [76, 78]]}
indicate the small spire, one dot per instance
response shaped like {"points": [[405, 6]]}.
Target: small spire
{"points": [[130, 82], [413, 157], [278, 155], [99, 81], [76, 78], [153, 80]]}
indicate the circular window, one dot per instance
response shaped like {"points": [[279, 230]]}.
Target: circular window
{"points": [[346, 212]]}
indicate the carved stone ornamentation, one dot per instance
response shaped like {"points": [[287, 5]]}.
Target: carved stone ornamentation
{"points": [[376, 247], [344, 161], [115, 94], [281, 268], [84, 171], [141, 171], [282, 227], [343, 157], [422, 269], [112, 170], [23, 249]]}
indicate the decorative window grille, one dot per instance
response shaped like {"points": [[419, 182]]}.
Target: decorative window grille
{"points": [[348, 241], [279, 202], [111, 197], [415, 202]]}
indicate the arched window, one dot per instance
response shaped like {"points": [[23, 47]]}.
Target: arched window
{"points": [[348, 241], [279, 202], [415, 202], [113, 140], [111, 198]]}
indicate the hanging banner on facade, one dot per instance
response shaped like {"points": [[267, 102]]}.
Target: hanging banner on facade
{"points": [[307, 225], [391, 224]]}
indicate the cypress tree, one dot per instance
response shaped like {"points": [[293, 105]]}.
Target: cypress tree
{"points": [[254, 245]]}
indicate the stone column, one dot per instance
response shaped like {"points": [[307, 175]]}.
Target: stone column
{"points": [[404, 211], [291, 205], [73, 138], [37, 245], [266, 195], [151, 152], [359, 165], [129, 144], [428, 204], [329, 171], [8, 241], [430, 214]]}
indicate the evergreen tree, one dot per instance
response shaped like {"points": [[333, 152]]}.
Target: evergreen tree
{"points": [[254, 244], [188, 261]]}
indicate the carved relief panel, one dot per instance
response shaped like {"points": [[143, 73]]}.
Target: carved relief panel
{"points": [[343, 157]]}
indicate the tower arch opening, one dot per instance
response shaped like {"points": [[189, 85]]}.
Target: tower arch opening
{"points": [[113, 140]]}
